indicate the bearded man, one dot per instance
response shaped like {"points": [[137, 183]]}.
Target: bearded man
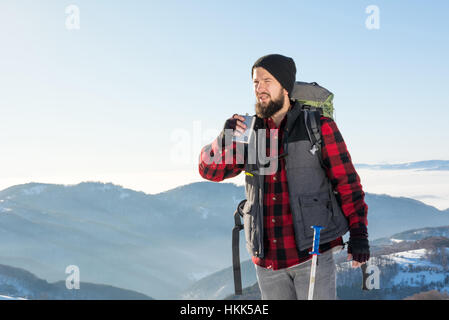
{"points": [[282, 205]]}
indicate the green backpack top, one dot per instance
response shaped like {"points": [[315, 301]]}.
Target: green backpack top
{"points": [[312, 94]]}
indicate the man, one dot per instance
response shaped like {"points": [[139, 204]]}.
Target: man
{"points": [[299, 194]]}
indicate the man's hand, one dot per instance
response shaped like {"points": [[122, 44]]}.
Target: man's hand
{"points": [[358, 251], [236, 122], [355, 264]]}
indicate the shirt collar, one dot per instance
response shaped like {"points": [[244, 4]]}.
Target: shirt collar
{"points": [[271, 125]]}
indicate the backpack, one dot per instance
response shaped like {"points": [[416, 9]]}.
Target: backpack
{"points": [[313, 95], [315, 101]]}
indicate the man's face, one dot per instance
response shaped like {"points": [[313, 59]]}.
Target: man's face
{"points": [[269, 93]]}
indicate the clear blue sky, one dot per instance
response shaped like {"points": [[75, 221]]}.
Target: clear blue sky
{"points": [[109, 98]]}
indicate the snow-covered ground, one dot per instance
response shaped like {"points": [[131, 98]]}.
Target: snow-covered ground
{"points": [[10, 298], [424, 272], [415, 257], [408, 271], [414, 269]]}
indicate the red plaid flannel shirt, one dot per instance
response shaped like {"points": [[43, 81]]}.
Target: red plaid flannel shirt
{"points": [[279, 241]]}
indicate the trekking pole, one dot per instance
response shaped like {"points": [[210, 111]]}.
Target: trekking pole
{"points": [[364, 276], [315, 252]]}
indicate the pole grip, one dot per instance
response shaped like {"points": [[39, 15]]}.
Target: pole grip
{"points": [[316, 240]]}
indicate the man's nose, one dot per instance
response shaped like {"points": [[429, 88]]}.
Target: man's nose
{"points": [[260, 87]]}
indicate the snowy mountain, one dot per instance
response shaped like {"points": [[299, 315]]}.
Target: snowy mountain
{"points": [[421, 248], [418, 165], [403, 274], [18, 284], [157, 244], [389, 215], [10, 298], [412, 235], [148, 243]]}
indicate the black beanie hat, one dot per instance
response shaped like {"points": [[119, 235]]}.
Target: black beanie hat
{"points": [[281, 67]]}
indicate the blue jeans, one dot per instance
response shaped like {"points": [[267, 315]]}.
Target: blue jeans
{"points": [[293, 283]]}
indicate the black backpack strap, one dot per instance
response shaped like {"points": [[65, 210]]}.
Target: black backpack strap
{"points": [[236, 248], [312, 121]]}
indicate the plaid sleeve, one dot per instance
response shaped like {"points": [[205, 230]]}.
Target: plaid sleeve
{"points": [[344, 178], [217, 162]]}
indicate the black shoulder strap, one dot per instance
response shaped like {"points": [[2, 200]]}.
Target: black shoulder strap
{"points": [[312, 119], [236, 248]]}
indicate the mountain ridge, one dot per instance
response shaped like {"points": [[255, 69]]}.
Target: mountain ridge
{"points": [[121, 236], [425, 165], [215, 285], [18, 282]]}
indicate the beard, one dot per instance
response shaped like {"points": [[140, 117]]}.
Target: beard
{"points": [[266, 111]]}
